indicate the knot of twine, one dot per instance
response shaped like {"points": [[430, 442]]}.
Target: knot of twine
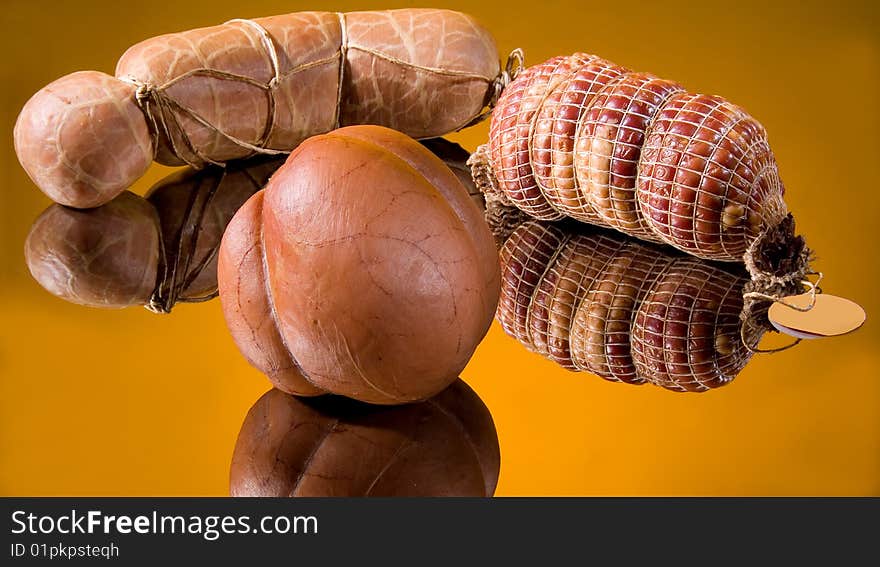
{"points": [[767, 287], [176, 271], [515, 64], [162, 110], [144, 92]]}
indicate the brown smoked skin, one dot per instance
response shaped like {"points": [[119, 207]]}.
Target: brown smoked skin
{"points": [[329, 446], [364, 268], [86, 137]]}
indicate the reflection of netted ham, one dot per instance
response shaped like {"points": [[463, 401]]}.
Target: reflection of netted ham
{"points": [[594, 301], [580, 137]]}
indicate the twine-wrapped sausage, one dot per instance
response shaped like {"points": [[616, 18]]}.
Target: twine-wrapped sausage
{"points": [[330, 446], [581, 137], [595, 301], [214, 94]]}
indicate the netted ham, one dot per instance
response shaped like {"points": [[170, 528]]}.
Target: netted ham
{"points": [[581, 137], [595, 301], [215, 94]]}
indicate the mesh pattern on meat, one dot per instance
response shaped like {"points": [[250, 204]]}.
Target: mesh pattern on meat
{"points": [[581, 137], [626, 311]]}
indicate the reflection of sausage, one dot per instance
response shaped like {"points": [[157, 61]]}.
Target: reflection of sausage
{"points": [[135, 251], [104, 257], [327, 446], [219, 93], [109, 256], [456, 158]]}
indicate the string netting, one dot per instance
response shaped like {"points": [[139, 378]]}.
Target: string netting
{"points": [[576, 269], [610, 137], [623, 310], [707, 179], [600, 334], [512, 126], [686, 331], [552, 139], [525, 258], [583, 138]]}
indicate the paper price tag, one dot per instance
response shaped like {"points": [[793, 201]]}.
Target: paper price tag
{"points": [[829, 317]]}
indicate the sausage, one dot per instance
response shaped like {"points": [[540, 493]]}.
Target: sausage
{"points": [[214, 94]]}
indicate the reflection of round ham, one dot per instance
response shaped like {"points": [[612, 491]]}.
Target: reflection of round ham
{"points": [[329, 446]]}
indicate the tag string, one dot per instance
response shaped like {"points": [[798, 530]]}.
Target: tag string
{"points": [[813, 290]]}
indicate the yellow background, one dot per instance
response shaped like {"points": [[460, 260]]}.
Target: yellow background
{"points": [[132, 403]]}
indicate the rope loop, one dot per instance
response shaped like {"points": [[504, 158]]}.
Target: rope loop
{"points": [[508, 74], [751, 312], [163, 111]]}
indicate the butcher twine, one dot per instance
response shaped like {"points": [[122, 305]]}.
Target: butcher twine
{"points": [[176, 271], [162, 111]]}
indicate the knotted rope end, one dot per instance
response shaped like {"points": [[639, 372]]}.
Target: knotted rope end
{"points": [[778, 262]]}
